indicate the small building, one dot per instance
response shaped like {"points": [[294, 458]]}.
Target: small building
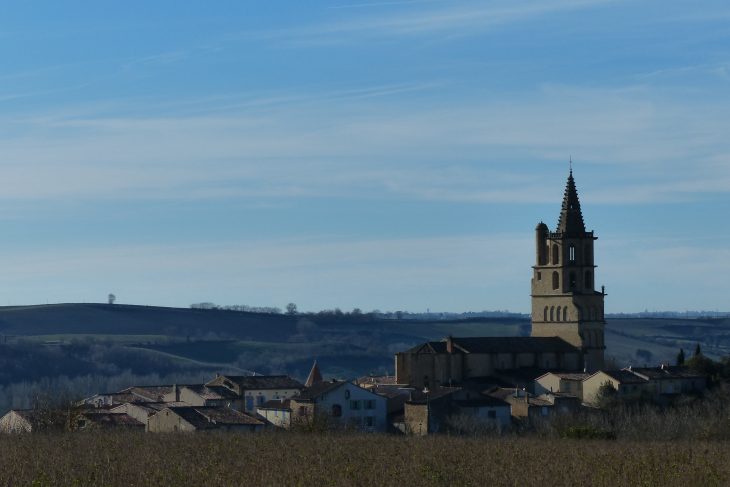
{"points": [[141, 411], [201, 418], [276, 413], [341, 405], [202, 395], [561, 382], [256, 390], [625, 382], [454, 409], [671, 380], [524, 405]]}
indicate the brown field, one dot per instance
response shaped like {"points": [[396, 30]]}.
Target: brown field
{"points": [[284, 459]]}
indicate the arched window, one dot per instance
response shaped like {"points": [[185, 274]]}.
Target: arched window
{"points": [[552, 313], [572, 280], [545, 314], [571, 253], [556, 280], [565, 313], [336, 410], [589, 281], [556, 254]]}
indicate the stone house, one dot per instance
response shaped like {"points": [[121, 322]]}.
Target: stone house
{"points": [[625, 382], [255, 390], [201, 418], [561, 382], [433, 411], [341, 405], [141, 411]]}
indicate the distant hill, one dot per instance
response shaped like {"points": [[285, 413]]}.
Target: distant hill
{"points": [[92, 347]]}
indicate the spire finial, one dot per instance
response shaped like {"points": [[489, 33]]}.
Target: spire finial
{"points": [[571, 165]]}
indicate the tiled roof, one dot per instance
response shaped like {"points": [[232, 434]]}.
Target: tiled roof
{"points": [[211, 417], [212, 393], [570, 375], [666, 372], [318, 389], [150, 393], [499, 345]]}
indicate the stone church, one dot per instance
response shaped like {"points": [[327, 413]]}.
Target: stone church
{"points": [[567, 317]]}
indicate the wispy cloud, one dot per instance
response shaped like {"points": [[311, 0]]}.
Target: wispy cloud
{"points": [[366, 142]]}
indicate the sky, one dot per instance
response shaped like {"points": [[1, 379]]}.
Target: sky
{"points": [[391, 155]]}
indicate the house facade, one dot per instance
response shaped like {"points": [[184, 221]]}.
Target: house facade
{"points": [[342, 405]]}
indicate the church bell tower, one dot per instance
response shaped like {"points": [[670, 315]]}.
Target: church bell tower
{"points": [[564, 300]]}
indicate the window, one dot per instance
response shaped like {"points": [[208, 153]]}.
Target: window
{"points": [[336, 410], [552, 313], [354, 405], [556, 255], [571, 253], [556, 280], [565, 313], [539, 276], [492, 414], [347, 394], [545, 314], [369, 404], [260, 400]]}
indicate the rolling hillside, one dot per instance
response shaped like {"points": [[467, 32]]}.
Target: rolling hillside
{"points": [[101, 337]]}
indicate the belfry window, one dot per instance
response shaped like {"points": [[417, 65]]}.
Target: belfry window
{"points": [[556, 280], [571, 253], [556, 255]]}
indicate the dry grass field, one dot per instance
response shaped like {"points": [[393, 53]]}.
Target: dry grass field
{"points": [[283, 459]]}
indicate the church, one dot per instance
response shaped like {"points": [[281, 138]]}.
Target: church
{"points": [[567, 317]]}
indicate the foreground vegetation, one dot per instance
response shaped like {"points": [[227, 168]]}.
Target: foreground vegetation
{"points": [[116, 459]]}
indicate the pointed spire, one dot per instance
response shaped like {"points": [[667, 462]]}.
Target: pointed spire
{"points": [[571, 217], [315, 376]]}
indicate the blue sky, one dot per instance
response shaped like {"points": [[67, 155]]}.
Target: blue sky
{"points": [[379, 154]]}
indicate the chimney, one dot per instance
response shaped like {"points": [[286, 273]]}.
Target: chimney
{"points": [[449, 344], [176, 392], [527, 398]]}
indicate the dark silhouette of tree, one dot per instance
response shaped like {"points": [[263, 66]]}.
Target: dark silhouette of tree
{"points": [[291, 309], [698, 350], [680, 357]]}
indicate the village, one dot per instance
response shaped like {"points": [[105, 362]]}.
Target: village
{"points": [[456, 385]]}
